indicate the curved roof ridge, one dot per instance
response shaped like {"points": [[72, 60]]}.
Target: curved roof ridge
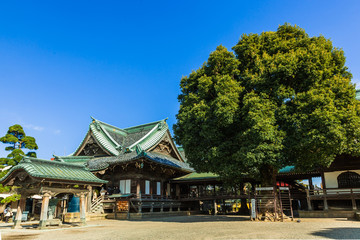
{"points": [[102, 140], [146, 124], [117, 145], [146, 136], [109, 125], [27, 159]]}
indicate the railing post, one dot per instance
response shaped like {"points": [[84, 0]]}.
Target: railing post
{"points": [[215, 208], [353, 199], [140, 207], [325, 201], [308, 200]]}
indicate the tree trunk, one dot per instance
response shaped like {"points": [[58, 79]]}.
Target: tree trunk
{"points": [[271, 210]]}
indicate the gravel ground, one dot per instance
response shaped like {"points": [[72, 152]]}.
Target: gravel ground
{"points": [[196, 227]]}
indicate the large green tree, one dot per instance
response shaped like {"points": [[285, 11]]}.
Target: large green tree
{"points": [[283, 98], [18, 141]]}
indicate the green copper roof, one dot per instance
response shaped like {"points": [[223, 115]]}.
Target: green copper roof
{"points": [[79, 160], [357, 94], [56, 170], [101, 163], [195, 175], [116, 140]]}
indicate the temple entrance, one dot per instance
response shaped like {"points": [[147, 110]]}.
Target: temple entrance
{"points": [[54, 182]]}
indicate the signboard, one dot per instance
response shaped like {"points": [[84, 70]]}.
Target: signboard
{"points": [[253, 209], [122, 206], [264, 189], [284, 188]]}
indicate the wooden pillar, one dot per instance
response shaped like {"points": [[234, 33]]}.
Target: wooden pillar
{"points": [[138, 188], [325, 201], [311, 186], [64, 210], [140, 207], [177, 191], [88, 198], [168, 190], [161, 188], [44, 211], [82, 209], [115, 208], [151, 188], [20, 209], [324, 191], [33, 206], [215, 208], [308, 200], [353, 200], [128, 211]]}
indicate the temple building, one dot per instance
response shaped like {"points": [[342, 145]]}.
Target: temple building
{"points": [[131, 173]]}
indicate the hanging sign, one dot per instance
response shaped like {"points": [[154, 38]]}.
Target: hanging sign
{"points": [[264, 188], [253, 209]]}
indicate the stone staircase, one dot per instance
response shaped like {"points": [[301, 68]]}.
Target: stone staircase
{"points": [[97, 206]]}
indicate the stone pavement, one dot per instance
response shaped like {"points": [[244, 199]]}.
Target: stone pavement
{"points": [[196, 227]]}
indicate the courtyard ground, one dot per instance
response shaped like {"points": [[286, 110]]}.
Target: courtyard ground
{"points": [[195, 227]]}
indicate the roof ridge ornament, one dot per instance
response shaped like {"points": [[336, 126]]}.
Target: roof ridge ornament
{"points": [[138, 149], [58, 159], [25, 159]]}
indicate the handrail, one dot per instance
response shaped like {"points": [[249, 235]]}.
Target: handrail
{"points": [[96, 202], [212, 194], [334, 191]]}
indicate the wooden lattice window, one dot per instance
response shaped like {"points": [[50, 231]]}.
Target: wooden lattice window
{"points": [[348, 180]]}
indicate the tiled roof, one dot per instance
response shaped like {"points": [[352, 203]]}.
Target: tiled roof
{"points": [[128, 144], [115, 140], [104, 162], [195, 175], [80, 160], [54, 170]]}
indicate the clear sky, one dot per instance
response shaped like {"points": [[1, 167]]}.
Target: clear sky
{"points": [[121, 61]]}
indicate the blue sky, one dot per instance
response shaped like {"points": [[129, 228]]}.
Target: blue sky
{"points": [[121, 61]]}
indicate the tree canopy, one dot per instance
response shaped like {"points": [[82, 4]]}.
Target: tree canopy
{"points": [[17, 140], [281, 98]]}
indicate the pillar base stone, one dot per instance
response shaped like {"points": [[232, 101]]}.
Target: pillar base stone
{"points": [[17, 224], [83, 221], [42, 224]]}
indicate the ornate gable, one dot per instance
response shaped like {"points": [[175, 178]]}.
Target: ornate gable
{"points": [[91, 147], [167, 147]]}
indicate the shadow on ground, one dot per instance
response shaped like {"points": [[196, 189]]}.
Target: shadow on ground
{"points": [[339, 233], [198, 218], [20, 236]]}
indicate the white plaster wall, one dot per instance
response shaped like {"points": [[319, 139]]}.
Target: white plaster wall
{"points": [[331, 178]]}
